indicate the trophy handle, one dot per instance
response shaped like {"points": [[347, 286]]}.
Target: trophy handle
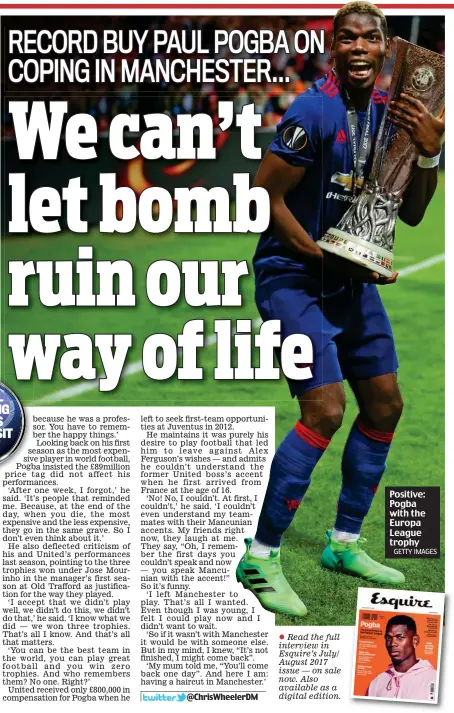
{"points": [[386, 129], [419, 73]]}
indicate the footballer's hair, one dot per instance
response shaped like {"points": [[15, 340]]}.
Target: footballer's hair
{"points": [[361, 7], [402, 620]]}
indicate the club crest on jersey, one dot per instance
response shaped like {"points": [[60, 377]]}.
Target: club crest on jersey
{"points": [[295, 138], [346, 180]]}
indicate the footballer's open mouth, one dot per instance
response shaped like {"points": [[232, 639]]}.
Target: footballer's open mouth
{"points": [[359, 69]]}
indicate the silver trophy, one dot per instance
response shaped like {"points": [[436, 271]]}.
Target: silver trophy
{"points": [[365, 234]]}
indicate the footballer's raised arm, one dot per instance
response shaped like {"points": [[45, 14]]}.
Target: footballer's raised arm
{"points": [[278, 178]]}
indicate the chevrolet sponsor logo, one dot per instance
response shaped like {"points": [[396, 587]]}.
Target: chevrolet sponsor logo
{"points": [[346, 180]]}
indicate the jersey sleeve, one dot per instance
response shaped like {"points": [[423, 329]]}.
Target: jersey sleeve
{"points": [[298, 137]]}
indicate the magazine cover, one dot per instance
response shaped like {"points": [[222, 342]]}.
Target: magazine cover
{"points": [[222, 361], [398, 645]]}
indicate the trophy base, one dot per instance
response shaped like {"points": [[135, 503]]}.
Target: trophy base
{"points": [[356, 250]]}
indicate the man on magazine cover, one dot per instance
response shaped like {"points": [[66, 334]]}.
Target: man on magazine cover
{"points": [[311, 179], [406, 677]]}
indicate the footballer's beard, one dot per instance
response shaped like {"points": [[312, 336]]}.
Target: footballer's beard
{"points": [[403, 660], [396, 659], [360, 96]]}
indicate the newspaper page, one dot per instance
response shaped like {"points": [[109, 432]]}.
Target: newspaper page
{"points": [[222, 277]]}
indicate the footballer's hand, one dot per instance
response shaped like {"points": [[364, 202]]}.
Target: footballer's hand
{"points": [[425, 130], [356, 272], [381, 280], [372, 278]]}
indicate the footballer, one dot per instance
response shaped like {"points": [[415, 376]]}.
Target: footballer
{"points": [[311, 177], [406, 677]]}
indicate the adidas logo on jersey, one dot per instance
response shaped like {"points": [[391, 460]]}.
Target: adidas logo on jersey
{"points": [[341, 137]]}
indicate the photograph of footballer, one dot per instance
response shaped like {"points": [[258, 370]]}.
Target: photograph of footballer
{"points": [[406, 677], [333, 301]]}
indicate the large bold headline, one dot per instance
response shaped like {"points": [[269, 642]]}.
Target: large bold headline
{"points": [[90, 283]]}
